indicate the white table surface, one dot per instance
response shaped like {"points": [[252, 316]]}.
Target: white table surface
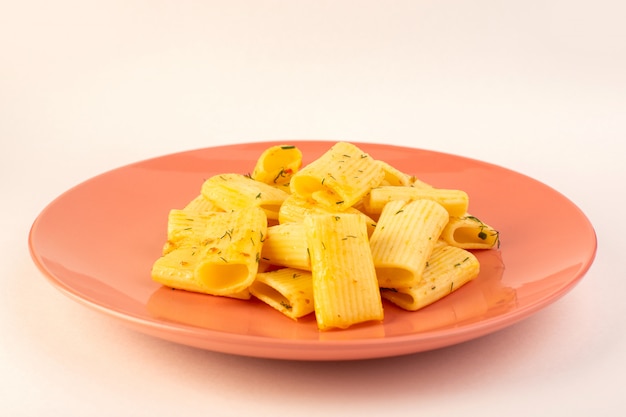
{"points": [[536, 86]]}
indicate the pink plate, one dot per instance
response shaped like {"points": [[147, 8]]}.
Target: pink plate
{"points": [[97, 242]]}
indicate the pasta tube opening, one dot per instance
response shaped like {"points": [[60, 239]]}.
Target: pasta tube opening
{"points": [[274, 298], [465, 235], [469, 232], [395, 274], [403, 300], [222, 278], [307, 185], [266, 292], [277, 164], [288, 290]]}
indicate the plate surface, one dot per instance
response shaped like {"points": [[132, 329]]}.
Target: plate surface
{"points": [[97, 242]]}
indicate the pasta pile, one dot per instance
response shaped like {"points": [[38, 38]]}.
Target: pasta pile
{"points": [[333, 238]]}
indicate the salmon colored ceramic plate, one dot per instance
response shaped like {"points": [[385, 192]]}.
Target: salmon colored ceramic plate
{"points": [[97, 242]]}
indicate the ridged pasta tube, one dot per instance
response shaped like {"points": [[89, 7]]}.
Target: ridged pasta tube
{"points": [[448, 269], [344, 279], [184, 227], [288, 290], [454, 201], [285, 245], [339, 178], [295, 208], [394, 176], [201, 204], [404, 239], [235, 192], [222, 259]]}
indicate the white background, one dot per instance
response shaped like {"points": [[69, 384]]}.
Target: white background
{"points": [[536, 86]]}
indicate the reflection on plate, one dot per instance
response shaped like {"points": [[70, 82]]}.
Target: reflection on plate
{"points": [[97, 243]]}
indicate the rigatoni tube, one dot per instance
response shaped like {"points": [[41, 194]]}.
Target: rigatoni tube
{"points": [[404, 239], [345, 287], [221, 260], [288, 290], [339, 178], [455, 202], [449, 268]]}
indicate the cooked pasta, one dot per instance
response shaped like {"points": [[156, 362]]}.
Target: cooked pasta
{"points": [[288, 290], [404, 239], [185, 226], [339, 178], [448, 269], [236, 192], [277, 164], [344, 278], [221, 259], [285, 245], [469, 232], [394, 176], [454, 201], [333, 238], [295, 208], [201, 204]]}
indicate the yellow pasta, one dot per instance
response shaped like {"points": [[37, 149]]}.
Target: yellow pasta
{"points": [[334, 237], [288, 290], [184, 227], [393, 176], [201, 204], [448, 269], [285, 245], [469, 232], [344, 279], [454, 201], [417, 183], [178, 269], [295, 208], [339, 178], [277, 164], [221, 260], [404, 239], [235, 192]]}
